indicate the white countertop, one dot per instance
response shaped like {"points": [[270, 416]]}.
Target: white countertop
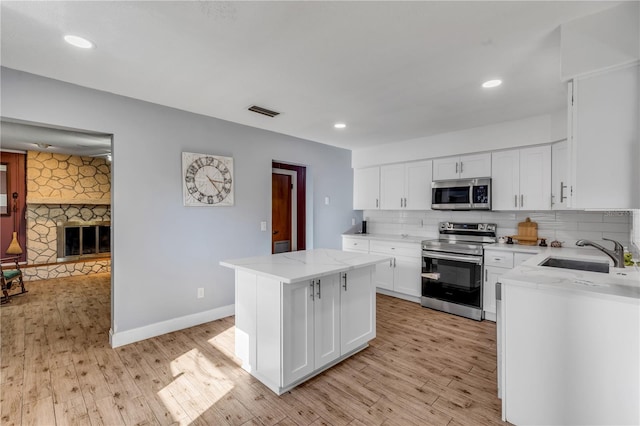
{"points": [[388, 237], [305, 264], [619, 282]]}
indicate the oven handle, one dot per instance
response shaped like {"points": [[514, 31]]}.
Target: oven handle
{"points": [[467, 259]]}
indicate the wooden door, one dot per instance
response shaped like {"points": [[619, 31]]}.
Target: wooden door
{"points": [[281, 213], [15, 180]]}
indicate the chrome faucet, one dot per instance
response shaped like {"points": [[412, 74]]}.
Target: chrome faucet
{"points": [[617, 254]]}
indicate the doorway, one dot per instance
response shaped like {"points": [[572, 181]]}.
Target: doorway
{"points": [[288, 212]]}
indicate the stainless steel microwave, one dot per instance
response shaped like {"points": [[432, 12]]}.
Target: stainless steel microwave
{"points": [[461, 194]]}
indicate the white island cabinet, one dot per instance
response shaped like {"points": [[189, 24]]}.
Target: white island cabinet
{"points": [[299, 313]]}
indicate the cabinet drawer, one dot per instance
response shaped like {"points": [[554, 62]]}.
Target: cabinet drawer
{"points": [[396, 248], [498, 258], [355, 244]]}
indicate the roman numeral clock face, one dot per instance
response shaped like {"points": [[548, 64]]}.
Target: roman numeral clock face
{"points": [[208, 180]]}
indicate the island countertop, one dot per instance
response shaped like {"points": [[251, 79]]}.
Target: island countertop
{"points": [[304, 265]]}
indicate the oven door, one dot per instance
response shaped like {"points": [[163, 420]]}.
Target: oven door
{"points": [[454, 278]]}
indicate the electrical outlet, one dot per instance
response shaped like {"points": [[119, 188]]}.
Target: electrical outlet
{"points": [[326, 201], [200, 293], [263, 226], [353, 221]]}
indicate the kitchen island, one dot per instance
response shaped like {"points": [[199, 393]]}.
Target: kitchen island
{"points": [[299, 313], [569, 342]]}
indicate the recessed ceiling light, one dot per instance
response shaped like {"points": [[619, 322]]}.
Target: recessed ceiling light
{"points": [[491, 83], [339, 125], [77, 41]]}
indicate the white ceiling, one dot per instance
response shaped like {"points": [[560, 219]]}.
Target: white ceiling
{"points": [[391, 70]]}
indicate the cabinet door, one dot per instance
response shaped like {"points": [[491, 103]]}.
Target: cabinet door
{"points": [[384, 274], [476, 165], [604, 145], [535, 178], [446, 168], [357, 309], [326, 320], [559, 176], [297, 327], [366, 188], [407, 279], [417, 186], [392, 193], [505, 180], [491, 277]]}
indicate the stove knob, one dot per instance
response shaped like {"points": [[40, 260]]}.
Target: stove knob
{"points": [[481, 226]]}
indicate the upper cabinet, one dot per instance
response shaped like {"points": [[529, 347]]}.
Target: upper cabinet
{"points": [[464, 166], [560, 190], [603, 140], [406, 186], [366, 188], [521, 179]]}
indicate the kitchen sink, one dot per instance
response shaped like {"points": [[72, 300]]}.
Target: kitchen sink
{"points": [[580, 265]]}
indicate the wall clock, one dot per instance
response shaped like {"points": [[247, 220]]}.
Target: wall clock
{"points": [[207, 179]]}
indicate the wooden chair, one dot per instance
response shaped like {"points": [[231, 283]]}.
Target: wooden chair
{"points": [[10, 278]]}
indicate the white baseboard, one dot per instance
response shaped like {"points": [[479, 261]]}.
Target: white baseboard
{"points": [[122, 338], [384, 291]]}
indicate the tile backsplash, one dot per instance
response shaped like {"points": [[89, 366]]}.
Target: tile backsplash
{"points": [[567, 226]]}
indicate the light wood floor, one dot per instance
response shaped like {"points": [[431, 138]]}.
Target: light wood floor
{"points": [[424, 368]]}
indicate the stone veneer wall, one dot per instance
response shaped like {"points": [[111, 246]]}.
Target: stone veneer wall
{"points": [[67, 179], [63, 188]]}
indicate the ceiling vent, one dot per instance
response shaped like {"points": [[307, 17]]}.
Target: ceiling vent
{"points": [[263, 111]]}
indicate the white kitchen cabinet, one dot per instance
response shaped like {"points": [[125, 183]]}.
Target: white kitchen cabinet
{"points": [[310, 326], [366, 188], [401, 274], [298, 327], [357, 309], [560, 175], [464, 166], [406, 186], [521, 179], [570, 356], [603, 140], [360, 245], [496, 264]]}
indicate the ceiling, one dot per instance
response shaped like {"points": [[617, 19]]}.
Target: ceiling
{"points": [[391, 71]]}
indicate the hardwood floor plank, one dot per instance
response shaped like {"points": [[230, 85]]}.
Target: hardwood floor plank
{"points": [[72, 412], [39, 412], [10, 404]]}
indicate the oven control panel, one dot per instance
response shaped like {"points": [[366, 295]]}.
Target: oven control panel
{"points": [[479, 227]]}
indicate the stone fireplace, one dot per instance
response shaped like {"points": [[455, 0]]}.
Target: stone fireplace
{"points": [[68, 215]]}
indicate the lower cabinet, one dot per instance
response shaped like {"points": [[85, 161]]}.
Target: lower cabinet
{"points": [[357, 309], [496, 264], [286, 333], [311, 326], [402, 273]]}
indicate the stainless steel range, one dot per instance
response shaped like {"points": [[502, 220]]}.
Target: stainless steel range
{"points": [[452, 268]]}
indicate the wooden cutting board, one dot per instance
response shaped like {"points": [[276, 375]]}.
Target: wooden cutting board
{"points": [[527, 233]]}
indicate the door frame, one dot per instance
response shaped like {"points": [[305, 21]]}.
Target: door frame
{"points": [[301, 201], [294, 204]]}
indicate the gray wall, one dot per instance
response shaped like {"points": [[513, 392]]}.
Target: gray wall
{"points": [[163, 251]]}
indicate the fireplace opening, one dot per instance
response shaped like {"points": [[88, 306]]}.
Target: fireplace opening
{"points": [[78, 240]]}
